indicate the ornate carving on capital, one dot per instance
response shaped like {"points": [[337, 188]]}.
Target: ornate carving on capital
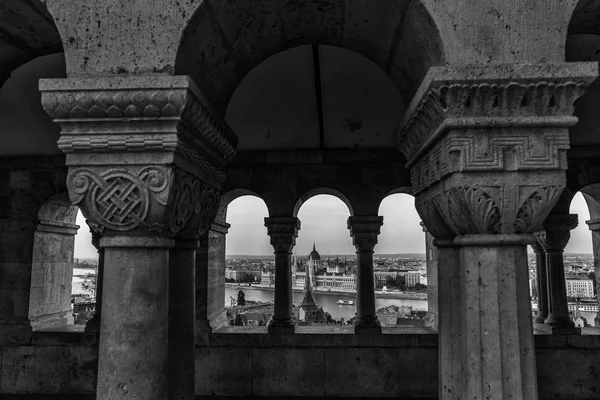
{"points": [[364, 231], [430, 209], [152, 199], [283, 232], [472, 210], [556, 231], [95, 235], [461, 210], [484, 102], [537, 248], [535, 208], [467, 209], [139, 114]]}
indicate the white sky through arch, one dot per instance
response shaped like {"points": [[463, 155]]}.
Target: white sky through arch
{"points": [[323, 219]]}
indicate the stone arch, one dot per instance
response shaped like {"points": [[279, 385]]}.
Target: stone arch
{"points": [[223, 41], [30, 32], [591, 194], [315, 192], [27, 128], [583, 44], [52, 264], [228, 197]]}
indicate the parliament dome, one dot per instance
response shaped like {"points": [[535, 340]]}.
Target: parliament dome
{"points": [[314, 255]]}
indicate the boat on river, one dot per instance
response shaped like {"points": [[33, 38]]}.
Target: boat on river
{"points": [[345, 302]]}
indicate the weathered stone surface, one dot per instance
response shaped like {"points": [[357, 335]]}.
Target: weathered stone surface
{"points": [[217, 375], [46, 370], [361, 179]]}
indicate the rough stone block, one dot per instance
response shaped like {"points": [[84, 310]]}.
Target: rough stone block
{"points": [[363, 34], [362, 372], [16, 240], [255, 27], [568, 373], [288, 372], [48, 370], [224, 371]]}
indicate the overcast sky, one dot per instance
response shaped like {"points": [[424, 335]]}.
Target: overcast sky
{"points": [[323, 221]]}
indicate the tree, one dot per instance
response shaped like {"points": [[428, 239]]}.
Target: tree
{"points": [[89, 284], [241, 298]]}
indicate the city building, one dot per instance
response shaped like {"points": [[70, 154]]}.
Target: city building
{"points": [[580, 287], [150, 117], [412, 278]]}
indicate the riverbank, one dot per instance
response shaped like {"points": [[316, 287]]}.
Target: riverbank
{"points": [[379, 295]]}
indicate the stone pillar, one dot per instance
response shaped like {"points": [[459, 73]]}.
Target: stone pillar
{"points": [[283, 232], [182, 263], [146, 161], [486, 148], [210, 281], [133, 354], [594, 225], [364, 231], [542, 283], [554, 238], [52, 274], [449, 320], [431, 260], [93, 325]]}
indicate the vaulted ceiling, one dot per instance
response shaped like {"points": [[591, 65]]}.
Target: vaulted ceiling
{"points": [[27, 31]]}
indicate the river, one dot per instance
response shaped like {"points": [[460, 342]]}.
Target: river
{"points": [[327, 301]]}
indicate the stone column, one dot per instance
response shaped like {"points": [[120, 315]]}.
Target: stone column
{"points": [[146, 161], [210, 281], [542, 283], [594, 225], [554, 238], [283, 232], [431, 260], [52, 272], [449, 317], [133, 354], [182, 262], [486, 147], [93, 325], [364, 231]]}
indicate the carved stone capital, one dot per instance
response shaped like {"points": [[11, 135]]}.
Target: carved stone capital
{"points": [[556, 231], [162, 116], [593, 224], [508, 96], [464, 204], [479, 119], [283, 232], [95, 235], [364, 231], [152, 199], [537, 248], [220, 227]]}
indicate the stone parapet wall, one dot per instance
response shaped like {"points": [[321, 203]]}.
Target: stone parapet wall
{"points": [[258, 364]]}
